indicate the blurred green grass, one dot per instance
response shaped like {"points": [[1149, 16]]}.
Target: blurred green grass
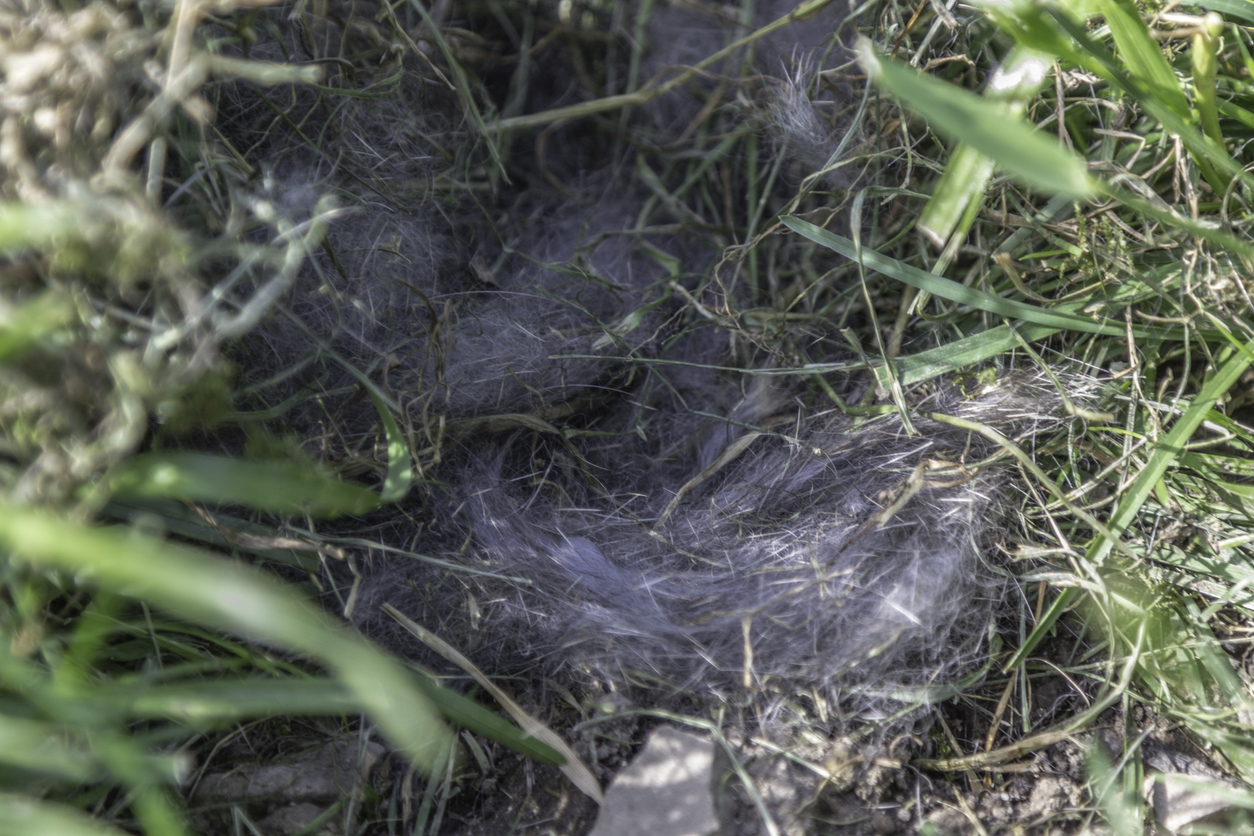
{"points": [[120, 644]]}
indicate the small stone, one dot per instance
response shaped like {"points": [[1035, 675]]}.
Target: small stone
{"points": [[668, 790], [1185, 800]]}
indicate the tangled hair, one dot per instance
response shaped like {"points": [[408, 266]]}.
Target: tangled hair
{"points": [[834, 556]]}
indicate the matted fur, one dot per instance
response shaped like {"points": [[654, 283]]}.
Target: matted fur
{"points": [[824, 555]]}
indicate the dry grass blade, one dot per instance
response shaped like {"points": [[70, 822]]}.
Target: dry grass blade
{"points": [[574, 768], [803, 11], [729, 455], [1039, 740]]}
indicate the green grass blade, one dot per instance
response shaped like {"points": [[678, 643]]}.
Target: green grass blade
{"points": [[1163, 456], [1014, 144], [230, 701], [1236, 113], [1242, 10], [1141, 54], [1204, 52], [225, 532], [281, 487], [400, 472], [1172, 445], [461, 82], [471, 715], [1116, 792], [963, 353], [204, 703], [1092, 56], [24, 816], [209, 590], [1029, 24], [1053, 28], [46, 748], [1181, 662], [1210, 232], [963, 295], [955, 201]]}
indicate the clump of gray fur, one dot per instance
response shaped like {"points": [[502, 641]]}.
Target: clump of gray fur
{"points": [[824, 555]]}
